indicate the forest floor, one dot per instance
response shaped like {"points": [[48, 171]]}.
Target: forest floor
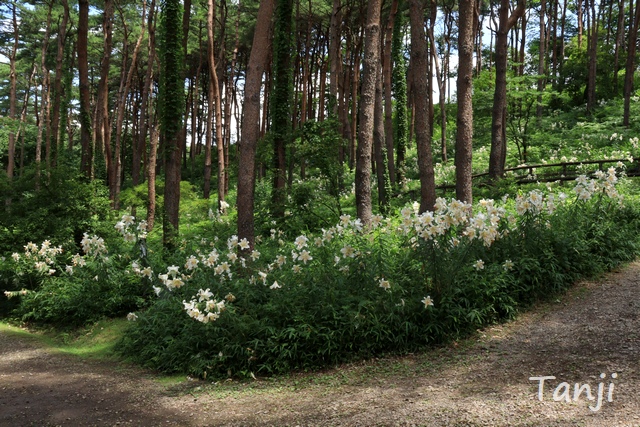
{"points": [[483, 381]]}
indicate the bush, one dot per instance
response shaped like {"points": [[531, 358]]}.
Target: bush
{"points": [[346, 293], [60, 208]]}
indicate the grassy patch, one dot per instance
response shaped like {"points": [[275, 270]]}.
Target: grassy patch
{"points": [[96, 341]]}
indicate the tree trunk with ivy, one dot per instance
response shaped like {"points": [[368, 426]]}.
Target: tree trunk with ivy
{"points": [[12, 93], [83, 76], [631, 65], [399, 76], [171, 97], [379, 147], [280, 106]]}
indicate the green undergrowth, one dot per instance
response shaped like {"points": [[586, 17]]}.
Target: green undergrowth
{"points": [[284, 312], [308, 299]]}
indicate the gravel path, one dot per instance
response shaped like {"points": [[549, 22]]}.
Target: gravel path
{"points": [[485, 381]]}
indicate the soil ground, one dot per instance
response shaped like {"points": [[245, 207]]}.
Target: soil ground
{"points": [[483, 381]]}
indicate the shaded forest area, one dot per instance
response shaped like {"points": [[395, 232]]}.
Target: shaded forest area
{"points": [[124, 92]]}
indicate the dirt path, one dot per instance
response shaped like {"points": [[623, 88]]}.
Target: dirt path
{"points": [[593, 330]]}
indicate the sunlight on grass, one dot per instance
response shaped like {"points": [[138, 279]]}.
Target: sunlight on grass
{"points": [[93, 342]]}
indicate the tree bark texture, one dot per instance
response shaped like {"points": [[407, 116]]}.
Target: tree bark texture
{"points": [[498, 153], [421, 96], [464, 133], [250, 134], [371, 63]]}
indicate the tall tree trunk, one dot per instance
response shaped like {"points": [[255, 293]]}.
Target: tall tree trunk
{"points": [[215, 99], [102, 126], [419, 66], [151, 175], [355, 85], [335, 61], [441, 80], [541, 58], [122, 101], [371, 62], [83, 75], [44, 89], [57, 83], [171, 108], [248, 141], [208, 141], [399, 76], [631, 65], [619, 45], [464, 87], [579, 12], [387, 67], [280, 105], [378, 146], [12, 94], [230, 95], [499, 111], [144, 102], [563, 21], [593, 52]]}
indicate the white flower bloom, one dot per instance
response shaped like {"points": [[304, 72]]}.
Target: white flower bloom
{"points": [[232, 242], [301, 241], [406, 212], [224, 266], [204, 295], [479, 265], [173, 270], [275, 286], [244, 244], [305, 256], [508, 265], [192, 262], [348, 251], [176, 283], [128, 219], [132, 317], [427, 301], [384, 284]]}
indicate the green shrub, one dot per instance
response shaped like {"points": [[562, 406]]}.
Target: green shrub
{"points": [[347, 293]]}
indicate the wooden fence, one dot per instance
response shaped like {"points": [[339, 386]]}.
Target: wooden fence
{"points": [[551, 172]]}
